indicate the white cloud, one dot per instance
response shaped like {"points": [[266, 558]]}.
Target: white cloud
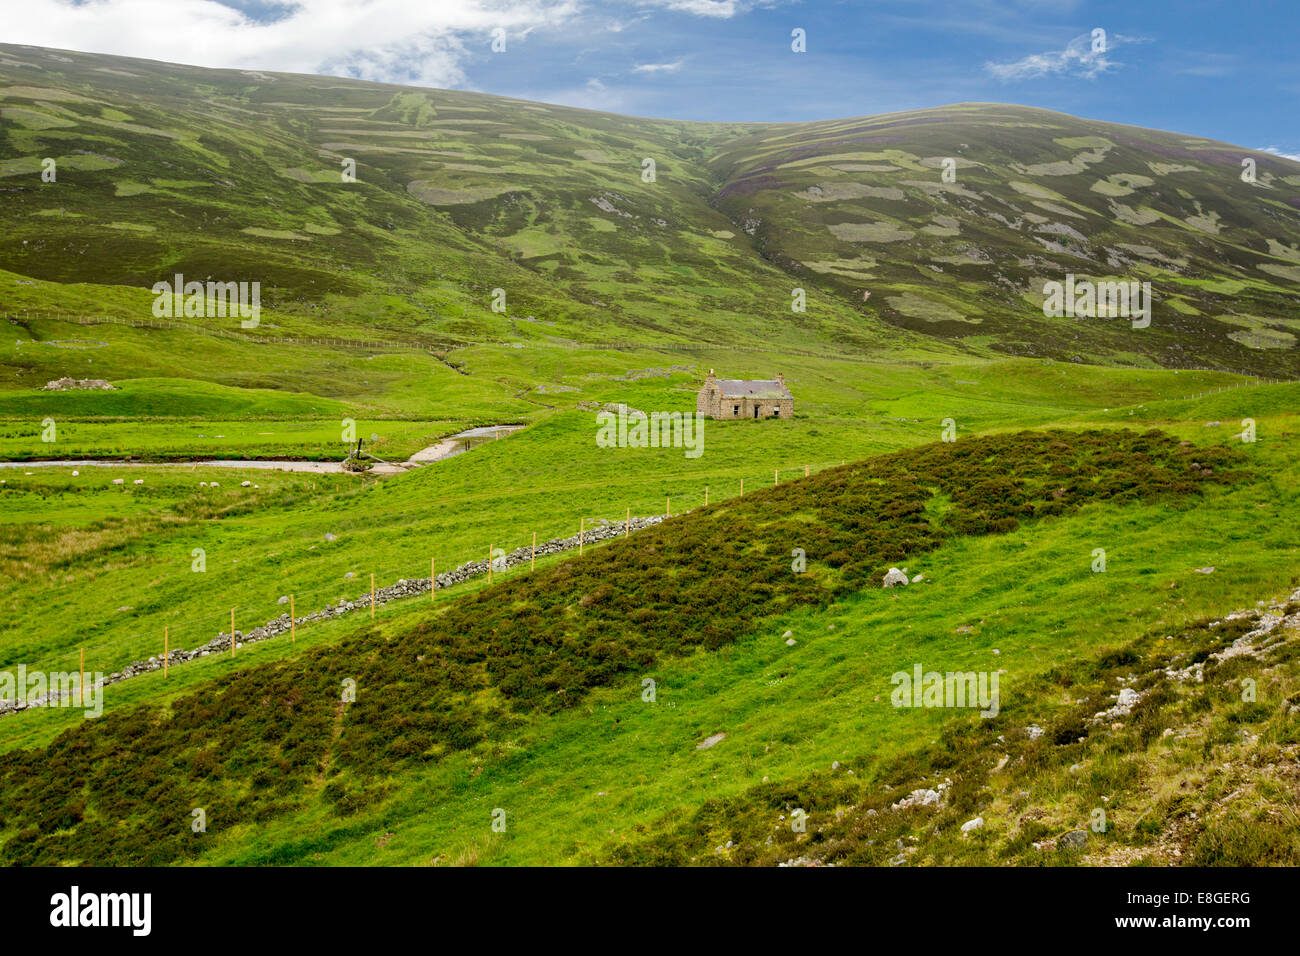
{"points": [[1082, 56], [386, 40], [672, 67], [720, 9], [1294, 157]]}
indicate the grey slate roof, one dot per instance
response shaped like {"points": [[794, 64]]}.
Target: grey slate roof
{"points": [[752, 388]]}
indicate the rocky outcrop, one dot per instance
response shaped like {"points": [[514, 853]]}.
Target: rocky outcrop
{"points": [[74, 384]]}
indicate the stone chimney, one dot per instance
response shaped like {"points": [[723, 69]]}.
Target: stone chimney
{"points": [[780, 377]]}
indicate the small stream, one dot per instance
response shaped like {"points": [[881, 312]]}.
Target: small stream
{"points": [[455, 445]]}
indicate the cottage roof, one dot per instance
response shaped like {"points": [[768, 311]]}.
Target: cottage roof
{"points": [[753, 388]]}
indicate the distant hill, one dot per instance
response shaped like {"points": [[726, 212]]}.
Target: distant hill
{"points": [[239, 175]]}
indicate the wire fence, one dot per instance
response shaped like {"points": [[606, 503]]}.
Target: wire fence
{"points": [[122, 650]]}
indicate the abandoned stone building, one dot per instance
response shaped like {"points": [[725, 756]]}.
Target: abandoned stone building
{"points": [[745, 398]]}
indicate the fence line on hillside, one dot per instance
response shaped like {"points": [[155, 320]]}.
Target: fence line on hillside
{"points": [[1229, 388], [166, 638]]}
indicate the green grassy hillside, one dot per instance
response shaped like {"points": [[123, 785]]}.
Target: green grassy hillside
{"points": [[475, 673], [923, 321], [238, 175]]}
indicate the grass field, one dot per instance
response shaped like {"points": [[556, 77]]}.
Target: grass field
{"points": [[943, 424]]}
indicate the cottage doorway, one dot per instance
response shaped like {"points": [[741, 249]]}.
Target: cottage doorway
{"points": [[756, 411]]}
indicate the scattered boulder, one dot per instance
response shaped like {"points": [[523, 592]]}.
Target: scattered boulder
{"points": [[970, 825], [709, 741], [1074, 840], [894, 577]]}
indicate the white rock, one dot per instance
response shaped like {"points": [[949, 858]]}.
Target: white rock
{"points": [[919, 798], [791, 642], [1034, 731], [245, 484], [894, 576], [972, 825]]}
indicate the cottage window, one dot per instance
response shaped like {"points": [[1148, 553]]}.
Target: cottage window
{"points": [[735, 409]]}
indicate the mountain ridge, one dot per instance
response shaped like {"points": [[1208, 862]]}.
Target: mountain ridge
{"points": [[933, 229]]}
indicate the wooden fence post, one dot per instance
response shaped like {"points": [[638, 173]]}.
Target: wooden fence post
{"points": [[232, 632], [81, 686], [293, 623], [706, 496], [627, 528], [742, 487], [372, 595], [668, 508], [776, 477], [532, 556], [166, 649], [805, 471], [433, 578]]}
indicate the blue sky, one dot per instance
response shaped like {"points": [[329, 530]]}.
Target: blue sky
{"points": [[1223, 70]]}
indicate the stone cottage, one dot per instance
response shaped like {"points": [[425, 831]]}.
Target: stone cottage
{"points": [[745, 398]]}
